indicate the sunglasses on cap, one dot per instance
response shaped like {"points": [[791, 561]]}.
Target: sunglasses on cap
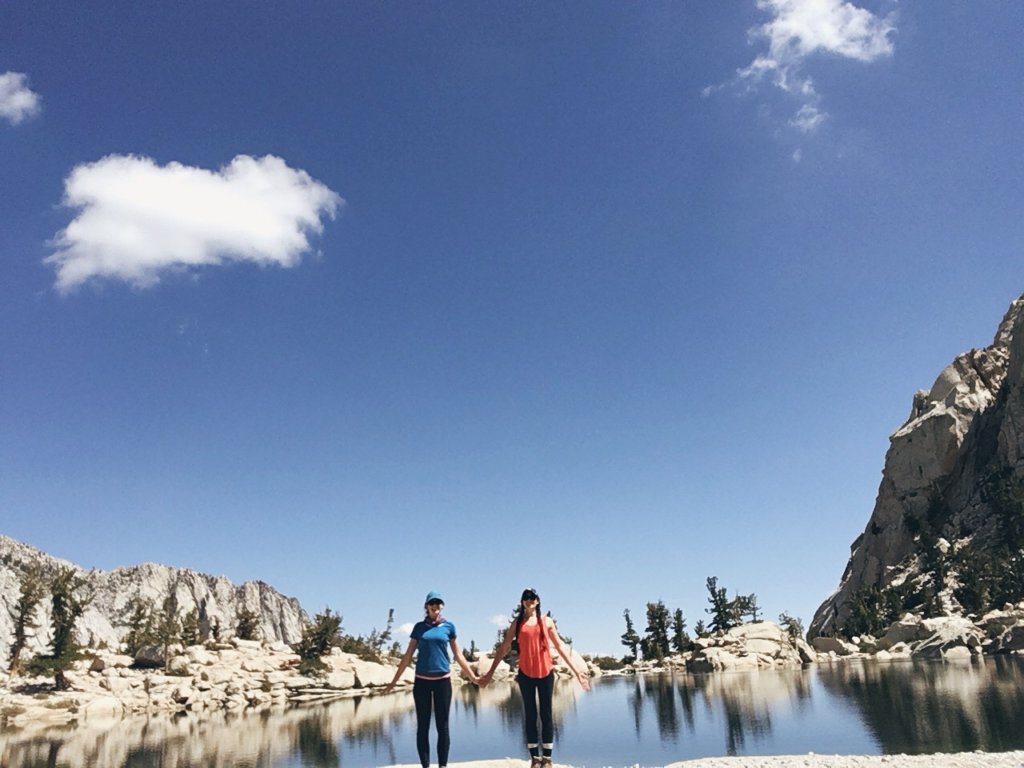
{"points": [[436, 602]]}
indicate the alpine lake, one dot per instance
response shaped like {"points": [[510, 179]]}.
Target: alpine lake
{"points": [[851, 707]]}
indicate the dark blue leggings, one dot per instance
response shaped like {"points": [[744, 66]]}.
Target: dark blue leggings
{"points": [[534, 689], [436, 694]]}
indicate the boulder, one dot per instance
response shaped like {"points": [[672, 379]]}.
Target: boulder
{"points": [[369, 674], [341, 680], [100, 708], [833, 645], [945, 633], [179, 665], [1010, 640], [200, 656], [804, 650], [720, 660], [906, 630], [153, 655]]}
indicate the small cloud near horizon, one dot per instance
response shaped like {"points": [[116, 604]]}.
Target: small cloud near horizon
{"points": [[406, 629], [17, 100], [799, 29], [137, 220], [500, 620]]}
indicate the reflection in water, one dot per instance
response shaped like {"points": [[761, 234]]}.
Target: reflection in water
{"points": [[316, 745], [926, 707], [651, 720], [742, 703]]}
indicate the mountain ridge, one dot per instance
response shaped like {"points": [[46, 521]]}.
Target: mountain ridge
{"points": [[104, 622]]}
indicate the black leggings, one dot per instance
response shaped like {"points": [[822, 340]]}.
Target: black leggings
{"points": [[532, 689], [436, 693]]}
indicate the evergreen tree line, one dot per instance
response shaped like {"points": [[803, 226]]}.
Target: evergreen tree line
{"points": [[666, 631]]}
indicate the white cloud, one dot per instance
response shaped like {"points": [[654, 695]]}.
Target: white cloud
{"points": [[500, 620], [801, 28], [138, 219], [17, 100], [808, 118], [406, 629]]}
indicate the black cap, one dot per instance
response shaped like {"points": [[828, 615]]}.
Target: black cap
{"points": [[529, 594]]}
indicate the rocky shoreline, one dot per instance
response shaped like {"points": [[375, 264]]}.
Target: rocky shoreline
{"points": [[239, 675], [236, 675], [765, 645]]}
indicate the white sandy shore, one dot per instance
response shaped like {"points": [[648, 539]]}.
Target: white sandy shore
{"points": [[942, 760]]}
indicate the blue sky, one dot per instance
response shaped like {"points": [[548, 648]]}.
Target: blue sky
{"points": [[367, 299]]}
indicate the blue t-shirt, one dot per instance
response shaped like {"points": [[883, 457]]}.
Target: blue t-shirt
{"points": [[432, 648]]}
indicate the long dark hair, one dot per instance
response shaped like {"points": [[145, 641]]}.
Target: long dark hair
{"points": [[520, 617]]}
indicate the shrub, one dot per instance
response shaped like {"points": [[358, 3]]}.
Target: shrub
{"points": [[318, 638], [610, 663]]}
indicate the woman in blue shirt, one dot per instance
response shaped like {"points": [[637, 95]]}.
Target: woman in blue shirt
{"points": [[433, 686]]}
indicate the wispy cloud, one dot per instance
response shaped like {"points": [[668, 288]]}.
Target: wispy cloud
{"points": [[500, 620], [138, 219], [800, 29], [17, 100]]}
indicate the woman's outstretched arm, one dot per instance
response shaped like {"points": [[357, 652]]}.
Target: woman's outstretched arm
{"points": [[402, 665], [500, 654], [564, 653]]}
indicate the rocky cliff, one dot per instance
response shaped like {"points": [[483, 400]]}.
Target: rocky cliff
{"points": [[945, 534], [103, 624]]}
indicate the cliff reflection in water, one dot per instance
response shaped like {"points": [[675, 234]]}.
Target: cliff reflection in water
{"points": [[916, 707]]}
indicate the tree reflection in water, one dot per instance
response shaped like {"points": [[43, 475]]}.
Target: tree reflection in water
{"points": [[742, 702], [916, 707]]}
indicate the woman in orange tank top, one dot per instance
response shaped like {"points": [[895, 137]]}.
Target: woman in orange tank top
{"points": [[535, 633]]}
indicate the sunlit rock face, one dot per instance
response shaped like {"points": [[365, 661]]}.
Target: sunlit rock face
{"points": [[969, 425], [103, 624]]}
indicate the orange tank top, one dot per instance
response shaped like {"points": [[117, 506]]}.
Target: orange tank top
{"points": [[534, 654]]}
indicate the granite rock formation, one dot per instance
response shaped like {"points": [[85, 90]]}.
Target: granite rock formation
{"points": [[964, 436], [104, 623]]}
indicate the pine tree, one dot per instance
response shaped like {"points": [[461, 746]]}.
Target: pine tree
{"points": [[723, 613], [318, 637], [793, 626], [168, 628], [68, 601], [33, 589], [630, 638], [680, 640], [656, 643], [377, 640], [141, 625], [744, 605], [248, 624], [190, 628]]}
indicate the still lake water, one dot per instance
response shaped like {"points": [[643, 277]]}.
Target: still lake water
{"points": [[855, 707]]}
